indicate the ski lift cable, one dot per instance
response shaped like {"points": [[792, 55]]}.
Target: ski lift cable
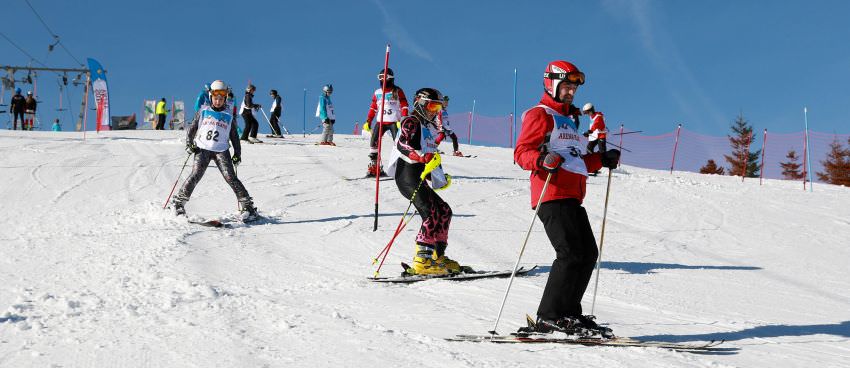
{"points": [[22, 50], [55, 36]]}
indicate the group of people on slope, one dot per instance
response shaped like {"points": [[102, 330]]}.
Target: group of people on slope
{"points": [[23, 108], [548, 146]]}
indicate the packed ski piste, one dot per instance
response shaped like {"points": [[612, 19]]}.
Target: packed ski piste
{"points": [[415, 266], [548, 147]]}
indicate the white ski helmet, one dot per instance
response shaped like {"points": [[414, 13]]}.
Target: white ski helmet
{"points": [[587, 107], [328, 88], [217, 85]]}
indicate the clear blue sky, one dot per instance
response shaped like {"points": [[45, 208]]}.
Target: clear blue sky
{"points": [[649, 64]]}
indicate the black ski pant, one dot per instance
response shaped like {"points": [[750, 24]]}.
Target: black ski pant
{"points": [[15, 123], [568, 228], [435, 212], [592, 144], [273, 122], [373, 142], [224, 164], [251, 125], [160, 122]]}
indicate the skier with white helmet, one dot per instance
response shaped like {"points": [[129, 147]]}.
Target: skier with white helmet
{"points": [[325, 113], [446, 129], [415, 153], [212, 131], [597, 133], [549, 147]]}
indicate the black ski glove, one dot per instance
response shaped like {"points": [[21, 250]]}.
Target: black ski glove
{"points": [[586, 134], [326, 121], [191, 148], [611, 158], [549, 161], [237, 159]]}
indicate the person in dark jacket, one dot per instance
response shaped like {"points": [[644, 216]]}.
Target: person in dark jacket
{"points": [[276, 111], [247, 112], [17, 107]]}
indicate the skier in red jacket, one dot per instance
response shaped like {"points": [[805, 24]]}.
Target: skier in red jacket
{"points": [[386, 116], [549, 145]]}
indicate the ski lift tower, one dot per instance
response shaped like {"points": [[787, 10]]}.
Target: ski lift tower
{"points": [[9, 82]]}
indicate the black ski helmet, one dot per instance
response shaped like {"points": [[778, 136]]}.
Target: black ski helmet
{"points": [[390, 77], [423, 97], [273, 92]]}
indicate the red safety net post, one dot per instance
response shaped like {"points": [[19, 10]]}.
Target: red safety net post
{"points": [[805, 160], [469, 129], [675, 147], [763, 148], [511, 130], [620, 159]]}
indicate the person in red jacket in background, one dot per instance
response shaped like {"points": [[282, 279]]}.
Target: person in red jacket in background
{"points": [[597, 133], [392, 112], [549, 145]]}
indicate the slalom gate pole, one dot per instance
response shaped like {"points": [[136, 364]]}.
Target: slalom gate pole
{"points": [[176, 181], [601, 240], [521, 250], [236, 172], [381, 135], [401, 224]]}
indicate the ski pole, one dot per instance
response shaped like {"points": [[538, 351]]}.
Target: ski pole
{"points": [[401, 226], [521, 250], [176, 181], [601, 241], [267, 120]]}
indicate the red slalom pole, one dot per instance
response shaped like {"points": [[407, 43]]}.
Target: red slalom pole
{"points": [[381, 135], [675, 147], [763, 147]]}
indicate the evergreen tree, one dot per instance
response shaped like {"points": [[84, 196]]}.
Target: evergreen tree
{"points": [[740, 141], [711, 168], [791, 169], [836, 165]]}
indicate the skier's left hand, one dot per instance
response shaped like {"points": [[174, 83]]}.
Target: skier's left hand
{"points": [[586, 134], [191, 148], [326, 121], [237, 160]]}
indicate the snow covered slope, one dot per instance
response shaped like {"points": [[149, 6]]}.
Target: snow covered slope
{"points": [[93, 273]]}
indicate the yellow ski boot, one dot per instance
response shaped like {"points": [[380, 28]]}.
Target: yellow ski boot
{"points": [[440, 255], [424, 262]]}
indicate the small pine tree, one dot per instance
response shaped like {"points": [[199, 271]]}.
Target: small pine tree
{"points": [[790, 168], [711, 168], [836, 165], [740, 140]]}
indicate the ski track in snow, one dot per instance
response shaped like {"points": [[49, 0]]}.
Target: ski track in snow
{"points": [[95, 273]]}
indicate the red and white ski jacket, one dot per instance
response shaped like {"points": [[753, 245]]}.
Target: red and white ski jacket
{"points": [[397, 98], [597, 126], [536, 125]]}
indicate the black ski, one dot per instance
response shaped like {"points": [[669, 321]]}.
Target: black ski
{"points": [[590, 341], [210, 223], [470, 274]]}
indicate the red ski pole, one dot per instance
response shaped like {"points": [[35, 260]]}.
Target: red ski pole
{"points": [[176, 181], [380, 135]]}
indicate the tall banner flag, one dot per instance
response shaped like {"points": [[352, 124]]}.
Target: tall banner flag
{"points": [[178, 115], [101, 94], [150, 112]]}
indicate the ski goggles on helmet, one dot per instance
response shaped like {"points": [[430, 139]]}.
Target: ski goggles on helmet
{"points": [[381, 76], [433, 105], [219, 92], [573, 77]]}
